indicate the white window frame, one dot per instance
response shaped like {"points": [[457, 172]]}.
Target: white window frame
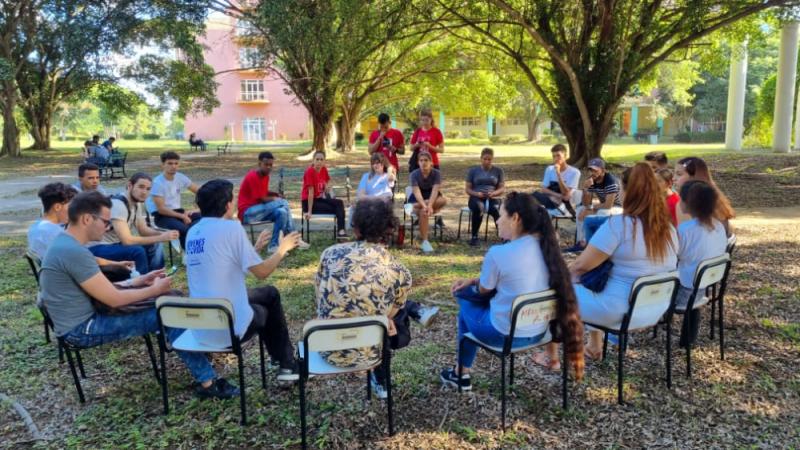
{"points": [[254, 129], [252, 90]]}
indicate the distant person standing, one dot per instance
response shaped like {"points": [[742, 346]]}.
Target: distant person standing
{"points": [[164, 203], [426, 138], [387, 140]]}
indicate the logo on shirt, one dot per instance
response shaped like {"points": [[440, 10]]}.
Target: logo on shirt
{"points": [[195, 246]]}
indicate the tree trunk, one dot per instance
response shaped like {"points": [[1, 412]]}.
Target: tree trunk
{"points": [[533, 117], [346, 126], [322, 130], [11, 145], [40, 130], [581, 150]]}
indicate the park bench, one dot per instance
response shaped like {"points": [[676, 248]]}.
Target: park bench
{"points": [[197, 147], [222, 149], [112, 167]]}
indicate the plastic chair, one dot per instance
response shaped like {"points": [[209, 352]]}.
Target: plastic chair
{"points": [[201, 314], [325, 335]]}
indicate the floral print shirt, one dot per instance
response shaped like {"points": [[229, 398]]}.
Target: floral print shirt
{"points": [[358, 279]]}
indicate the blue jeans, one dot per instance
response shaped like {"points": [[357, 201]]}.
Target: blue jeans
{"points": [[172, 223], [591, 224], [119, 252], [277, 212], [475, 318], [101, 329]]}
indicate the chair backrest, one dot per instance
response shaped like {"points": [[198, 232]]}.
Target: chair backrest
{"points": [[711, 271], [536, 308], [35, 263], [325, 335], [731, 245], [286, 174], [651, 296], [195, 313]]}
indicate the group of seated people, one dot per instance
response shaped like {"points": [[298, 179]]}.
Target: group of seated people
{"points": [[639, 234], [96, 153]]}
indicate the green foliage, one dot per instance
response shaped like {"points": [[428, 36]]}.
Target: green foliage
{"points": [[151, 136], [704, 137], [478, 134], [452, 134]]}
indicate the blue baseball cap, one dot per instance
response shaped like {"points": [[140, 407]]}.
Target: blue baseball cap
{"points": [[597, 163]]}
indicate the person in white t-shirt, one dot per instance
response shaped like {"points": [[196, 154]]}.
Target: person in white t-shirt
{"points": [[559, 182], [639, 242], [218, 258], [529, 262], [55, 203], [701, 237], [130, 238], [164, 203]]}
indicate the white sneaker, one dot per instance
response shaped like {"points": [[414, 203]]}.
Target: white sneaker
{"points": [[427, 314], [303, 245], [426, 247], [377, 388], [409, 208]]}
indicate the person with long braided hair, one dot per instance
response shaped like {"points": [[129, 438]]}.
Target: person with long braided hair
{"points": [[530, 261]]}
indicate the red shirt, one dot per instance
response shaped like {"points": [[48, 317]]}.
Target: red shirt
{"points": [[672, 205], [317, 179], [254, 187], [397, 139], [433, 136]]}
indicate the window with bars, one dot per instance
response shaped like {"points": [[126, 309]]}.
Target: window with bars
{"points": [[252, 90], [466, 121]]}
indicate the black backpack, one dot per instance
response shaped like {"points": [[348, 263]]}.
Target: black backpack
{"points": [[124, 199]]}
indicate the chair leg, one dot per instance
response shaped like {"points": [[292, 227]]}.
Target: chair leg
{"points": [[711, 322], [620, 372], [460, 369], [169, 249], [458, 234], [511, 372], [669, 352], [302, 386], [564, 377], [75, 375], [162, 359], [503, 392], [369, 386], [80, 363], [486, 232], [389, 401], [60, 352], [689, 360], [261, 361], [46, 331], [242, 397], [152, 356], [721, 330], [605, 344], [252, 234]]}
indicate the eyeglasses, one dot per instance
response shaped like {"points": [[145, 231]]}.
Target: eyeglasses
{"points": [[106, 222]]}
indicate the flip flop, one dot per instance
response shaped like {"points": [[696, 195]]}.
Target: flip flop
{"points": [[541, 358]]}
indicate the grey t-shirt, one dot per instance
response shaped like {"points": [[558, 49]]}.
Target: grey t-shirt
{"points": [[484, 180], [425, 184], [66, 265]]}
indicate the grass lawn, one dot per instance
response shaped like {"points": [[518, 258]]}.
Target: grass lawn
{"points": [[750, 400]]}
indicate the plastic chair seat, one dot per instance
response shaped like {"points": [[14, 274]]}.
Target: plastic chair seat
{"points": [[495, 349], [188, 343], [318, 366]]}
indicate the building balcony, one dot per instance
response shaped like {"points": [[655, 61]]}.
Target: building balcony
{"points": [[252, 97]]}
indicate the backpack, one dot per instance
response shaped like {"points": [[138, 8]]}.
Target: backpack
{"points": [[124, 199]]}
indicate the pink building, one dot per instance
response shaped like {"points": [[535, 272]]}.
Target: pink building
{"points": [[253, 106]]}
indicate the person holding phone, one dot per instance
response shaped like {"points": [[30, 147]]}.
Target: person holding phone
{"points": [[387, 140]]}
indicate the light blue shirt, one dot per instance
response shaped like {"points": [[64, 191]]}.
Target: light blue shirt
{"points": [[628, 252], [377, 186], [698, 243], [514, 268]]}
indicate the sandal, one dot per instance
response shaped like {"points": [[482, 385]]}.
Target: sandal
{"points": [[594, 356], [542, 359]]}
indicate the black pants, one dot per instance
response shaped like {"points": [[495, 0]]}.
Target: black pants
{"points": [[269, 321], [328, 206], [402, 324], [476, 206], [172, 223], [689, 328]]}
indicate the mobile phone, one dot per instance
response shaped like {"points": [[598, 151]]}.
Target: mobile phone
{"points": [[171, 271]]}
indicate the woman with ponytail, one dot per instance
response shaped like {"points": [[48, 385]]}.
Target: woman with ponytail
{"points": [[529, 262], [639, 242], [693, 168]]}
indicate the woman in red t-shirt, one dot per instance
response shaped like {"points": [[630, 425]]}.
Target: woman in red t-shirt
{"points": [[665, 177], [428, 138], [316, 195]]}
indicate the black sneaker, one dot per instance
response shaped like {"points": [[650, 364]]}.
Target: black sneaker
{"points": [[220, 388], [474, 241], [449, 377]]}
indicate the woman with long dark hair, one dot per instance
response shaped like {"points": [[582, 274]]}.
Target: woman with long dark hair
{"points": [[694, 168], [530, 261], [639, 242]]}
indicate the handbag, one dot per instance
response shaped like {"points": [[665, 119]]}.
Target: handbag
{"points": [[595, 280], [472, 294]]}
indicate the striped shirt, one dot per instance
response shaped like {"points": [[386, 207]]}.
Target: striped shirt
{"points": [[608, 185]]}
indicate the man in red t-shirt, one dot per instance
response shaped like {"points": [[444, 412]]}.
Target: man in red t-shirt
{"points": [[428, 138], [256, 203], [387, 140]]}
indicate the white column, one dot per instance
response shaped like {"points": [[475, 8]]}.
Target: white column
{"points": [[737, 81], [784, 91]]}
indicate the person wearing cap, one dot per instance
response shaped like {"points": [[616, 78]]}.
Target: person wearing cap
{"points": [[606, 188]]}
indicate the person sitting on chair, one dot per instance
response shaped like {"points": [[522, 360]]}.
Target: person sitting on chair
{"points": [[694, 168], [95, 153], [194, 141], [257, 203], [164, 203], [559, 182], [383, 285], [108, 144], [639, 242], [71, 281], [218, 258], [607, 189], [529, 262], [484, 184], [88, 179], [317, 196], [426, 196]]}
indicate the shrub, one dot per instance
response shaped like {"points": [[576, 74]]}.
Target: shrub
{"points": [[130, 136], [68, 138], [151, 136], [478, 134], [704, 137], [452, 134], [496, 139]]}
